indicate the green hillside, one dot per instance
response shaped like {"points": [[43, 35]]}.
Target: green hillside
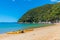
{"points": [[46, 13]]}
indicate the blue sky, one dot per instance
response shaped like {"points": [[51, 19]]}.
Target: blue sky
{"points": [[12, 10]]}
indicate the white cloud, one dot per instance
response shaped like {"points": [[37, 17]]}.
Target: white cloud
{"points": [[5, 18], [55, 0], [28, 0], [58, 1], [13, 0]]}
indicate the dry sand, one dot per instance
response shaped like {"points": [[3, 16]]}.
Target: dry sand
{"points": [[44, 33]]}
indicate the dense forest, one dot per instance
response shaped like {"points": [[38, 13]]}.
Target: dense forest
{"points": [[46, 13]]}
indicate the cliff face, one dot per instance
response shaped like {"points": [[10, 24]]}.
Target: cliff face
{"points": [[49, 12]]}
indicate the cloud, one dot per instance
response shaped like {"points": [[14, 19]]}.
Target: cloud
{"points": [[58, 1], [13, 0], [28, 0], [5, 18], [55, 0]]}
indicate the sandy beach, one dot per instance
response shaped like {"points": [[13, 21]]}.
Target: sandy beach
{"points": [[44, 33]]}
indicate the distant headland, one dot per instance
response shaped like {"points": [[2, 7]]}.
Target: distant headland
{"points": [[46, 13]]}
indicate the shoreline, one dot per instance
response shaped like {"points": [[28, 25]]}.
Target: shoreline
{"points": [[27, 30], [44, 33]]}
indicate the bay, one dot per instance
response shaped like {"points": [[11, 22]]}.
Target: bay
{"points": [[8, 27]]}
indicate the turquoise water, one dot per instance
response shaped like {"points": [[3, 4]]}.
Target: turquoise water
{"points": [[7, 27]]}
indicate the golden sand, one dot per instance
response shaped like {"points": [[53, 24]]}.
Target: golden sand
{"points": [[44, 33], [20, 31]]}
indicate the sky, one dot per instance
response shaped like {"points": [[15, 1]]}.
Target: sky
{"points": [[12, 10]]}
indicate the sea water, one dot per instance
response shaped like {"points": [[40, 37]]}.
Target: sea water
{"points": [[8, 27]]}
